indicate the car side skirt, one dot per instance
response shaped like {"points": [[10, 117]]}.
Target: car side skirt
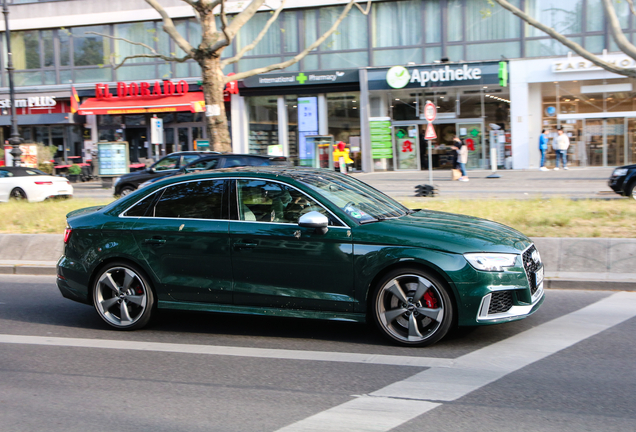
{"points": [[263, 311]]}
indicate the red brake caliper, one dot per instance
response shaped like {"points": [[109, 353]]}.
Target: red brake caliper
{"points": [[431, 302]]}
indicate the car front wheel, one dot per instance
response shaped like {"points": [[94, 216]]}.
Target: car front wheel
{"points": [[18, 194], [126, 190], [122, 296], [412, 308], [631, 190]]}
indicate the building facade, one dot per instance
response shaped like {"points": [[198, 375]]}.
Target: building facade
{"points": [[340, 92]]}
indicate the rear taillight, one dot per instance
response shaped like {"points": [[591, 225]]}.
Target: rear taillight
{"points": [[68, 182], [44, 183], [67, 234]]}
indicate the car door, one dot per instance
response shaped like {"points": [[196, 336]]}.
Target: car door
{"points": [[184, 239], [275, 262]]}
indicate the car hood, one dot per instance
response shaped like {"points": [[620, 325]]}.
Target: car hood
{"points": [[445, 232]]}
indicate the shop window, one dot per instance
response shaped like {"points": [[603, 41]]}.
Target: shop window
{"points": [[385, 17], [393, 57], [135, 120], [90, 49], [485, 22], [263, 123], [455, 24], [565, 18], [352, 32], [493, 51], [42, 134], [110, 120], [343, 114], [25, 46]]}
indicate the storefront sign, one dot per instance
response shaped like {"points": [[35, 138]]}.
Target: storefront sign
{"points": [[302, 78], [32, 102], [381, 142], [143, 89], [454, 74], [579, 64]]}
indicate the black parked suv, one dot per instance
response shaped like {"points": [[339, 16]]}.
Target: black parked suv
{"points": [[167, 165], [218, 161], [623, 181]]}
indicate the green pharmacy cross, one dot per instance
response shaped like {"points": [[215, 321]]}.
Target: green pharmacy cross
{"points": [[474, 132], [400, 134], [301, 78]]}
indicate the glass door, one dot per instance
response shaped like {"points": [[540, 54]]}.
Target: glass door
{"points": [[615, 138], [183, 139], [594, 142], [406, 147], [631, 141], [472, 135]]}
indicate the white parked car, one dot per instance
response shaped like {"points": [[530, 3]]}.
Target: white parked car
{"points": [[31, 184]]}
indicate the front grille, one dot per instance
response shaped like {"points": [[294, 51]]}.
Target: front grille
{"points": [[531, 266], [500, 301]]}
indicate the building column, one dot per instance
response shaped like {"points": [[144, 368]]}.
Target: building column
{"points": [[323, 114], [283, 128], [240, 125], [519, 124], [365, 131]]}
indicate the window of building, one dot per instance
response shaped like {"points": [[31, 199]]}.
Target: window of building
{"points": [[485, 21], [565, 17], [385, 32], [352, 32], [455, 24]]}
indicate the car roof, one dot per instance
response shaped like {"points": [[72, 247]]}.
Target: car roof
{"points": [[20, 170]]}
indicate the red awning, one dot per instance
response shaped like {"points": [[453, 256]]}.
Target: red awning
{"points": [[192, 102]]}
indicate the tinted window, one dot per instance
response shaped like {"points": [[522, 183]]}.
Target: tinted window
{"points": [[189, 158], [32, 171], [236, 161], [168, 163], [141, 208], [4, 173], [264, 201], [194, 200], [203, 165]]}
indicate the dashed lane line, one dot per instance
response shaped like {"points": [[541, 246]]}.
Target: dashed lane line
{"points": [[402, 401]]}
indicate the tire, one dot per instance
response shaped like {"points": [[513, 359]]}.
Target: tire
{"points": [[405, 319], [631, 190], [123, 297], [17, 194], [126, 190]]}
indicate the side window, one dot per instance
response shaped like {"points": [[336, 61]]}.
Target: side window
{"points": [[189, 158], [141, 208], [231, 162], [168, 163], [193, 200], [203, 165], [264, 201], [4, 174]]}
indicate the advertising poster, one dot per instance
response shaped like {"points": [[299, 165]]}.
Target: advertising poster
{"points": [[113, 158], [307, 124]]}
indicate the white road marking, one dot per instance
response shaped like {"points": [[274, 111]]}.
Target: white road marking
{"points": [[377, 359], [472, 371]]}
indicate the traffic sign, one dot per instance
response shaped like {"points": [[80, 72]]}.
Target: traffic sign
{"points": [[430, 132], [430, 111]]}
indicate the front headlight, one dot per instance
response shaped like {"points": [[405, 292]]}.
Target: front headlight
{"points": [[619, 172], [491, 261]]}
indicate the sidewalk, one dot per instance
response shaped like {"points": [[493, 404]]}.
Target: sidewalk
{"points": [[576, 183]]}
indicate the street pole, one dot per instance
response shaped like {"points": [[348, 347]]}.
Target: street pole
{"points": [[15, 140]]}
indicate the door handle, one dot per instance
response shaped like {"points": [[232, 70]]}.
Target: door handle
{"points": [[155, 241], [241, 245]]}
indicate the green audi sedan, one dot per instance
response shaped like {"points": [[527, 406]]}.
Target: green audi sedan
{"points": [[296, 242]]}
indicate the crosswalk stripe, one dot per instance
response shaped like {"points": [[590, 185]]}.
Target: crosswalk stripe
{"points": [[471, 371]]}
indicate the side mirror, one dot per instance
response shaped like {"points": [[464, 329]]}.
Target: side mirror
{"points": [[315, 220], [150, 170]]}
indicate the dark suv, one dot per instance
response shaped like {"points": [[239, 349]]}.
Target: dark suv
{"points": [[623, 181], [167, 165], [223, 161]]}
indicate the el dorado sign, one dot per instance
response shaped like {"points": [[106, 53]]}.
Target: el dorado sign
{"points": [[143, 89]]}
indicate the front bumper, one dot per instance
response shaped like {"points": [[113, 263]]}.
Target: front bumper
{"points": [[515, 312], [616, 184]]}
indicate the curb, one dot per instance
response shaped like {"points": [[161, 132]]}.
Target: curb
{"points": [[27, 269]]}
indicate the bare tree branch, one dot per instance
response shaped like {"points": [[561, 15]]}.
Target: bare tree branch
{"points": [[193, 3], [283, 65], [631, 6], [148, 47], [617, 32], [161, 56], [364, 11], [221, 43], [255, 42], [567, 42], [243, 17], [168, 27]]}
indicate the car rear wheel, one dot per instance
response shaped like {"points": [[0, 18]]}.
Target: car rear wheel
{"points": [[18, 194], [126, 190], [122, 296], [412, 308]]}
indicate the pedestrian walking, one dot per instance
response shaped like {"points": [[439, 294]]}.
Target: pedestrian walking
{"points": [[543, 147], [561, 144], [462, 157]]}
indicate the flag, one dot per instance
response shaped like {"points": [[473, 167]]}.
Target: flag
{"points": [[74, 100]]}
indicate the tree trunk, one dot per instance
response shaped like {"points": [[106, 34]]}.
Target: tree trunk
{"points": [[213, 86]]}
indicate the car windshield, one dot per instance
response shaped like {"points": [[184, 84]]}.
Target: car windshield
{"points": [[359, 200]]}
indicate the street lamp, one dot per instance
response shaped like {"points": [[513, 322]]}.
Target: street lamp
{"points": [[15, 140]]}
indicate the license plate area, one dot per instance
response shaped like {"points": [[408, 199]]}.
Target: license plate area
{"points": [[538, 277]]}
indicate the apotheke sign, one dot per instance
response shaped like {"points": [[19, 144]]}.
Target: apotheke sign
{"points": [[454, 74], [32, 102]]}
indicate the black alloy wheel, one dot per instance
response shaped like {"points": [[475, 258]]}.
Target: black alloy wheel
{"points": [[18, 194]]}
